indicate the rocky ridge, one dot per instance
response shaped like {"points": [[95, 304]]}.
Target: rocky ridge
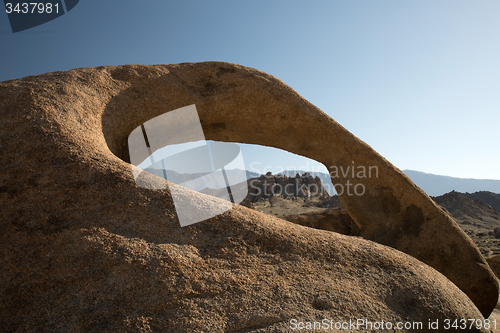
{"points": [[470, 214]]}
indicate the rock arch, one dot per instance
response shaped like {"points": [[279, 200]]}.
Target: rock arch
{"points": [[245, 105], [79, 237]]}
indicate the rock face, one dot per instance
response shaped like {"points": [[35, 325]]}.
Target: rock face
{"points": [[84, 249], [336, 220]]}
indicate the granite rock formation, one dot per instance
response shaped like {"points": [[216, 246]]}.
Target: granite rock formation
{"points": [[301, 186], [83, 248]]}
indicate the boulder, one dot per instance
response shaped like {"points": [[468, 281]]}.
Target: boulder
{"points": [[494, 263], [84, 248]]}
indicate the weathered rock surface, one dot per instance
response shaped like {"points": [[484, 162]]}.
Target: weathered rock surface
{"points": [[84, 249], [336, 220]]}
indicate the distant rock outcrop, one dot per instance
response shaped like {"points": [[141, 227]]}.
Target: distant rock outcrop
{"points": [[84, 249], [324, 177], [303, 186]]}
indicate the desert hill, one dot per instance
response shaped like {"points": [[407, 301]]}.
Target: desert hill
{"points": [[471, 214], [493, 199], [476, 217]]}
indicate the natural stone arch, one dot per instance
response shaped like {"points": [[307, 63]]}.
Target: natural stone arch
{"points": [[245, 105], [85, 249]]}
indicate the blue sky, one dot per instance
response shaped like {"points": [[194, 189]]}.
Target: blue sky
{"points": [[417, 80]]}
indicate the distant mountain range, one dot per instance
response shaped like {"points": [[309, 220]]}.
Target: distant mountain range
{"points": [[201, 181], [433, 185]]}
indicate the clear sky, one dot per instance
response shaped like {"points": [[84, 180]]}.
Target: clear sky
{"points": [[419, 81]]}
